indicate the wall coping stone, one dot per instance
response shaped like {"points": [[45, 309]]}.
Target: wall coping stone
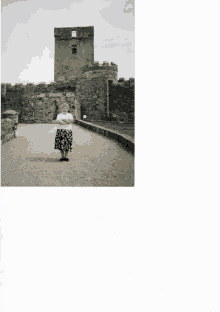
{"points": [[119, 137]]}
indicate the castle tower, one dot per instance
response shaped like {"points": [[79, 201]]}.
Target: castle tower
{"points": [[74, 48], [95, 70], [92, 89]]}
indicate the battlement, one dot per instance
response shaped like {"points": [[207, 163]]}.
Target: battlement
{"points": [[8, 84], [52, 83], [63, 83], [65, 33], [122, 82], [47, 87], [99, 66]]}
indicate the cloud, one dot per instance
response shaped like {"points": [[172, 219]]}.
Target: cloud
{"points": [[111, 39], [22, 11], [127, 45], [40, 69], [45, 5], [119, 41], [116, 14]]}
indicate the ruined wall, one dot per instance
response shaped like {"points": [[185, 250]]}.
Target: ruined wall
{"points": [[20, 97], [121, 99], [45, 108], [39, 88], [41, 108], [93, 92], [68, 63], [97, 93]]}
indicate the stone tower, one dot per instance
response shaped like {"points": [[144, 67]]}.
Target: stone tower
{"points": [[74, 48]]}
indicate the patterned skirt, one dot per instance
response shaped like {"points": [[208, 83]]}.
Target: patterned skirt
{"points": [[63, 140]]}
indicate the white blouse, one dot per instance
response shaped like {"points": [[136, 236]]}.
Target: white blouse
{"points": [[65, 116]]}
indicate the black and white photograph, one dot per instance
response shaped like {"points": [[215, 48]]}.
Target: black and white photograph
{"points": [[67, 93]]}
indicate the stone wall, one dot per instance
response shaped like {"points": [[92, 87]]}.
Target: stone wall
{"points": [[44, 108], [121, 100], [7, 130], [91, 93], [95, 96], [91, 89], [66, 63], [19, 88], [12, 99], [37, 103], [95, 69]]}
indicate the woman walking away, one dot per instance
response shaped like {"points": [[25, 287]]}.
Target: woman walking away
{"points": [[64, 134]]}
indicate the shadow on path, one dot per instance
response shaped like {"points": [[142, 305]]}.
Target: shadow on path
{"points": [[40, 159]]}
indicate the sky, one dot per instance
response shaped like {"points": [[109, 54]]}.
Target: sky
{"points": [[27, 36]]}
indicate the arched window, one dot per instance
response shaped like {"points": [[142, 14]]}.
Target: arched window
{"points": [[74, 49]]}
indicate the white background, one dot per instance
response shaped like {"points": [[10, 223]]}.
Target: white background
{"points": [[154, 247]]}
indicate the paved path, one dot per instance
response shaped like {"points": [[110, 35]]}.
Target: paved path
{"points": [[30, 160]]}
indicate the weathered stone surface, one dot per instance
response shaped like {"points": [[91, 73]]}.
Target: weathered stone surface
{"points": [[68, 63], [70, 95], [42, 107], [97, 92], [55, 95], [7, 129]]}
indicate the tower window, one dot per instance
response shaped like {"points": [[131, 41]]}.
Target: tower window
{"points": [[74, 49], [73, 33]]}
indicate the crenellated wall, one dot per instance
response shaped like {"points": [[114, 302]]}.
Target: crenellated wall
{"points": [[95, 69], [110, 72], [92, 89], [68, 85], [95, 96], [18, 96]]}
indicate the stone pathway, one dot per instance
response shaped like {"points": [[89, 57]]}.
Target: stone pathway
{"points": [[30, 160]]}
